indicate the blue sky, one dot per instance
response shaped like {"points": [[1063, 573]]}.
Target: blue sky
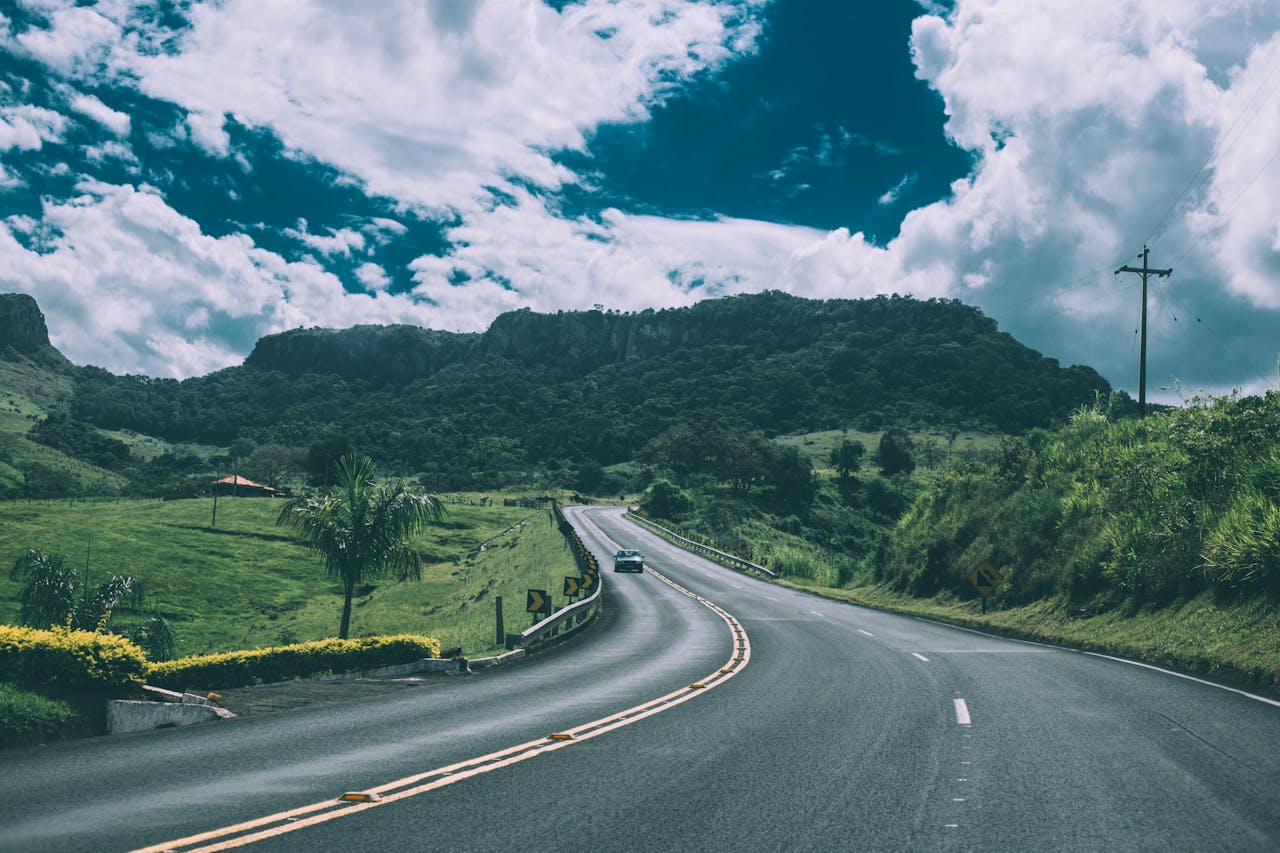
{"points": [[179, 178]]}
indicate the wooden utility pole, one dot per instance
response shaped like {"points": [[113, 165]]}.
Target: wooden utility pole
{"points": [[1143, 271]]}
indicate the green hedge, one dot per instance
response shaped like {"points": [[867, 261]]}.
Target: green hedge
{"points": [[301, 660], [78, 660]]}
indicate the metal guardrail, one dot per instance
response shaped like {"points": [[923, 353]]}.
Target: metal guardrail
{"points": [[571, 616], [575, 614], [698, 548]]}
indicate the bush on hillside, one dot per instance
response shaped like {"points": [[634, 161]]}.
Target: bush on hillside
{"points": [[301, 660], [1138, 511]]}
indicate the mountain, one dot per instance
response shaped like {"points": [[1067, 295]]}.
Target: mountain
{"points": [[23, 333], [552, 392]]}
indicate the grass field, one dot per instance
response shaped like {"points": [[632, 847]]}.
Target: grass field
{"points": [[818, 445], [249, 584]]}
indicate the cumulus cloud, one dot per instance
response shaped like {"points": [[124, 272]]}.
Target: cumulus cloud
{"points": [[126, 281], [429, 108], [1085, 120], [28, 127]]}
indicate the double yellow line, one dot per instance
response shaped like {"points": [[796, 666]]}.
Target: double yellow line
{"points": [[270, 826]]}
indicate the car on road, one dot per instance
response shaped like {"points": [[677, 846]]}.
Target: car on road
{"points": [[628, 560]]}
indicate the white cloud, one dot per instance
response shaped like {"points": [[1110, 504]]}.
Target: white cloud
{"points": [[208, 130], [372, 277], [430, 110], [126, 281], [80, 40], [113, 120], [895, 192], [27, 127], [340, 242]]}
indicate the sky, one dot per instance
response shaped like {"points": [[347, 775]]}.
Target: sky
{"points": [[178, 179]]}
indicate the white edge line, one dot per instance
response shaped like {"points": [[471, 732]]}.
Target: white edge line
{"points": [[1252, 696], [1203, 681], [919, 656], [991, 636], [962, 712], [864, 633]]}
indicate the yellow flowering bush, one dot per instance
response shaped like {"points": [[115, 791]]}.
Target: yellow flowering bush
{"points": [[300, 660], [71, 659]]}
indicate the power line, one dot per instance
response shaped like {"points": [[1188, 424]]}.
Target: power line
{"points": [[1250, 184], [1224, 143]]}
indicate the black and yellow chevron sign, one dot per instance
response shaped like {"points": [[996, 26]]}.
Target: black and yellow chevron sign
{"points": [[537, 601]]}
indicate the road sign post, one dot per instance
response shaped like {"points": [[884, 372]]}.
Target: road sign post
{"points": [[985, 579]]}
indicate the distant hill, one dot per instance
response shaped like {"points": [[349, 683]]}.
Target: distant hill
{"points": [[552, 392]]}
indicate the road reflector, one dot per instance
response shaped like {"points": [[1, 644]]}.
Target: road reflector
{"points": [[560, 736], [359, 797], [739, 658], [725, 670], [697, 685]]}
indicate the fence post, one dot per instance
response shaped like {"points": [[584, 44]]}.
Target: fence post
{"points": [[501, 632]]}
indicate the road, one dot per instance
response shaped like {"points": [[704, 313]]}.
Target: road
{"points": [[843, 728]]}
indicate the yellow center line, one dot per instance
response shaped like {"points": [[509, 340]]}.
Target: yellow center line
{"points": [[292, 820]]}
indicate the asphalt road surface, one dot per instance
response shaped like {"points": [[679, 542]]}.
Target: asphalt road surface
{"points": [[839, 728]]}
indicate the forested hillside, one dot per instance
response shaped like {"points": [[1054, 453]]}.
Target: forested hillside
{"points": [[553, 393]]}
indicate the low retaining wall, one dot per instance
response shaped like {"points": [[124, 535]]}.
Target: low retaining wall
{"points": [[130, 715]]}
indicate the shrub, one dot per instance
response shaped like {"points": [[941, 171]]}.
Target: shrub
{"points": [[79, 660], [27, 717], [1244, 550], [301, 660]]}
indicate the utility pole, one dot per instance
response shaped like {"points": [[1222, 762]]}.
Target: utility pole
{"points": [[1143, 271]]}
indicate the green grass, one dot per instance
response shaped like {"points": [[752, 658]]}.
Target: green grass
{"points": [[27, 717], [818, 445], [1232, 641], [27, 392], [249, 584]]}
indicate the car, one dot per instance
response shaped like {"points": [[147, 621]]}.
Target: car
{"points": [[628, 560]]}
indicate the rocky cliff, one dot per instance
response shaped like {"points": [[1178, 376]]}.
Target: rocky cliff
{"points": [[397, 354], [23, 331]]}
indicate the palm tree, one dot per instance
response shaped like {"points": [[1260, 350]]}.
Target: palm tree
{"points": [[53, 594], [362, 529]]}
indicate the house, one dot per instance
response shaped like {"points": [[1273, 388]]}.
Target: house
{"points": [[245, 488]]}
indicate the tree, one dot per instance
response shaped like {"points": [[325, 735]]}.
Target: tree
{"points": [[363, 528], [271, 464], [323, 455], [847, 457], [791, 473], [664, 499], [49, 597], [157, 638], [894, 453]]}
